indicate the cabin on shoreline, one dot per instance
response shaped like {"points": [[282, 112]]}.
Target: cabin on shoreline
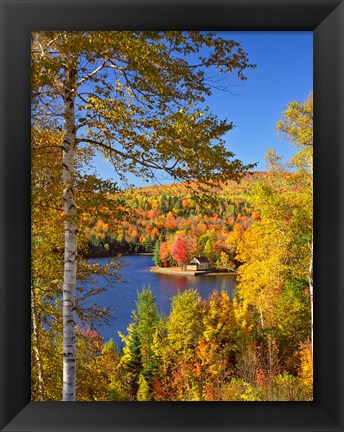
{"points": [[198, 263]]}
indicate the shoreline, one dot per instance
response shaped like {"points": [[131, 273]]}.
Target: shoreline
{"points": [[140, 254], [119, 255], [177, 271]]}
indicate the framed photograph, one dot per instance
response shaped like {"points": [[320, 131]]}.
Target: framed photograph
{"points": [[213, 382]]}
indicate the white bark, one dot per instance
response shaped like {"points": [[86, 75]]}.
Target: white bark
{"points": [[70, 236], [260, 311], [36, 346]]}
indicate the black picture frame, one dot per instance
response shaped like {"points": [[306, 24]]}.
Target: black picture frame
{"points": [[18, 19]]}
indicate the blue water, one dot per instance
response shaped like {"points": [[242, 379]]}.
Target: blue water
{"points": [[121, 297]]}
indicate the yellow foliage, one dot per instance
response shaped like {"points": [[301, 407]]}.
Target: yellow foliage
{"points": [[306, 368]]}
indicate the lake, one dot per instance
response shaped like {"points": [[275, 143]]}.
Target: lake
{"points": [[121, 297]]}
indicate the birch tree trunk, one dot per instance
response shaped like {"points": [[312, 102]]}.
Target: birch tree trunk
{"points": [[70, 239], [260, 311], [36, 346]]}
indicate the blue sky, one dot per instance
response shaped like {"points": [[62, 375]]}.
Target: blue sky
{"points": [[284, 73]]}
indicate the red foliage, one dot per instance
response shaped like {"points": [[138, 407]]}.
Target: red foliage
{"points": [[179, 251], [209, 393], [94, 340], [261, 378], [160, 391]]}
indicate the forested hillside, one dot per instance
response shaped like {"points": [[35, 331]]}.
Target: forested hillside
{"points": [[157, 216]]}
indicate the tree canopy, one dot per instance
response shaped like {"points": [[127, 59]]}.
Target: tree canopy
{"points": [[139, 97]]}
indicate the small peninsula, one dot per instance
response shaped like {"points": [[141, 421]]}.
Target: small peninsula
{"points": [[179, 271]]}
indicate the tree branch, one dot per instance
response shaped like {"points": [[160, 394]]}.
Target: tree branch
{"points": [[91, 74], [146, 164]]}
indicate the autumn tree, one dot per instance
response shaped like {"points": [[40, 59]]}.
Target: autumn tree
{"points": [[224, 262], [296, 126], [46, 247], [135, 97], [184, 324], [179, 251], [275, 263], [276, 252], [208, 241], [98, 377], [215, 351], [263, 252], [164, 254]]}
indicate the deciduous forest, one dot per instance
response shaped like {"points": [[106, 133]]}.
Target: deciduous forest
{"points": [[105, 91]]}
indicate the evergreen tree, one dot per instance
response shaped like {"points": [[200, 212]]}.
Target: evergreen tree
{"points": [[156, 254], [139, 358], [163, 204], [148, 245]]}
